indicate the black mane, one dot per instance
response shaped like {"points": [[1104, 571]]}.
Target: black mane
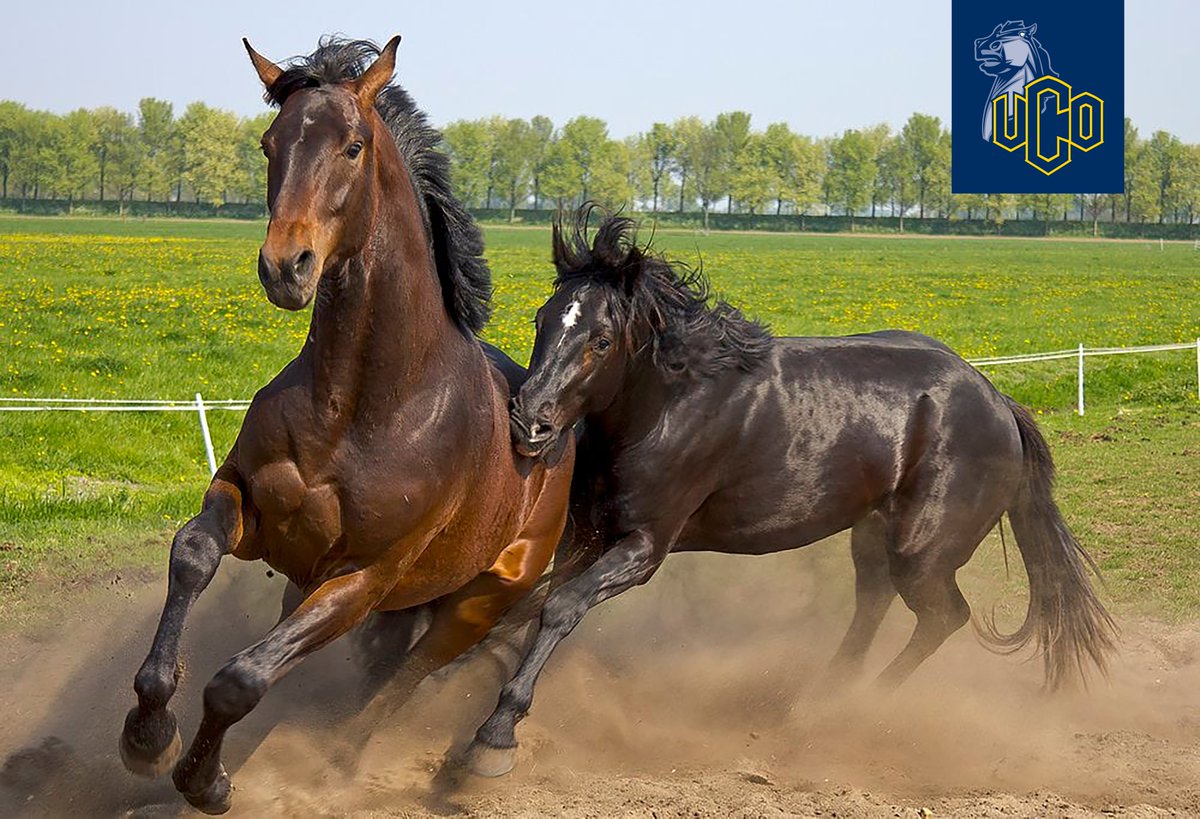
{"points": [[456, 239], [687, 335]]}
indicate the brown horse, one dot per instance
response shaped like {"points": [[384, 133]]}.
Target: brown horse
{"points": [[375, 471]]}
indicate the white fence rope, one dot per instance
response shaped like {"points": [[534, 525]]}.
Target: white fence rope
{"points": [[200, 406]]}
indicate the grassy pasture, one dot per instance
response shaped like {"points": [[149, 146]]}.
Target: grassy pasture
{"points": [[163, 309]]}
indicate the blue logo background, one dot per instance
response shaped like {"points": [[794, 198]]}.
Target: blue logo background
{"points": [[1086, 44]]}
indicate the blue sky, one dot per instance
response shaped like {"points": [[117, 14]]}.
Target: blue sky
{"points": [[822, 67]]}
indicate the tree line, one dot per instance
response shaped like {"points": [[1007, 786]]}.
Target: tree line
{"points": [[204, 155], [211, 155]]}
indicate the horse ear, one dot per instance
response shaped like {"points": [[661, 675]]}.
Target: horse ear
{"points": [[1033, 30], [558, 246], [368, 86], [268, 72], [631, 269]]}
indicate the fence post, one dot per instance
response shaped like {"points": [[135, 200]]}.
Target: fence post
{"points": [[208, 447], [1080, 379]]}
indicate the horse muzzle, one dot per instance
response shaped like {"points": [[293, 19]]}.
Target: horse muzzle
{"points": [[290, 282], [531, 437]]}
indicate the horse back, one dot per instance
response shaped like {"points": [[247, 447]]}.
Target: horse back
{"points": [[827, 429]]}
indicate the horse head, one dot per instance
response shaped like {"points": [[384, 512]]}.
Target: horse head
{"points": [[1010, 48], [321, 152]]}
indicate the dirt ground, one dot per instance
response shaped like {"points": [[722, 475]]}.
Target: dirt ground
{"points": [[699, 694]]}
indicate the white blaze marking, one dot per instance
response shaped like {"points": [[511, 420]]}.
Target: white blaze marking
{"points": [[307, 121], [572, 314]]}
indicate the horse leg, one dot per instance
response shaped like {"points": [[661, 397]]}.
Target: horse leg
{"points": [[383, 643], [925, 557], [930, 590], [333, 609], [150, 740], [292, 598], [630, 561], [462, 619], [873, 595], [935, 528]]}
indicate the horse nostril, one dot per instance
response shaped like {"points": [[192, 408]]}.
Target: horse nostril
{"points": [[265, 271], [304, 262]]}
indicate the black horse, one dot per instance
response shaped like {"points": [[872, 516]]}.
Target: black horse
{"points": [[705, 433]]}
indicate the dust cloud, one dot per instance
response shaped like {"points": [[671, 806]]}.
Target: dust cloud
{"points": [[701, 693]]}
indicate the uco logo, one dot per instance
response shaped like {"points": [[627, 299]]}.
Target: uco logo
{"points": [[1029, 107], [1016, 108]]}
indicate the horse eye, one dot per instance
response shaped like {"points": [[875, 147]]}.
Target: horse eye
{"points": [[602, 344], [354, 150]]}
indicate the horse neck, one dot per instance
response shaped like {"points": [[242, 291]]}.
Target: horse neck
{"points": [[379, 324], [639, 405], [1016, 84]]}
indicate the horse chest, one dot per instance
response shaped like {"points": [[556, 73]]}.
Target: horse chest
{"points": [[308, 513]]}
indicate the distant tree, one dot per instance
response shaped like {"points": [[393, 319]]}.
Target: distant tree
{"points": [[76, 161], [128, 161], [997, 206], [250, 180], [12, 118], [686, 133], [731, 131], [559, 179], [210, 152], [1189, 182], [660, 147], [1092, 205], [469, 145], [1159, 177], [35, 155], [928, 148], [638, 170], [1133, 150], [159, 140], [609, 182], [782, 157], [878, 137], [112, 130], [511, 167], [708, 151], [581, 150], [802, 166], [852, 171], [969, 204], [755, 180], [541, 135], [1045, 207]]}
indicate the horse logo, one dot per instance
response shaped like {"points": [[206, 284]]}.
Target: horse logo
{"points": [[1014, 58], [1029, 107]]}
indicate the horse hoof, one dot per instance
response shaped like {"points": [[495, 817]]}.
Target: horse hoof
{"points": [[216, 798], [483, 760], [150, 744]]}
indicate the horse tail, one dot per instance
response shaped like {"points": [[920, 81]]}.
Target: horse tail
{"points": [[1065, 619]]}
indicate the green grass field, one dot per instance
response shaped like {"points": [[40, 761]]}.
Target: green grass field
{"points": [[163, 309]]}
